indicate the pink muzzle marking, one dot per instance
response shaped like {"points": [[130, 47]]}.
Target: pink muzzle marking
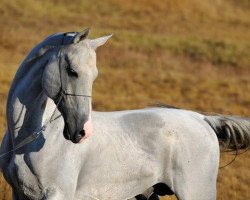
{"points": [[88, 128]]}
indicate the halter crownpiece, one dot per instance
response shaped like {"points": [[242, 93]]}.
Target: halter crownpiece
{"points": [[62, 92]]}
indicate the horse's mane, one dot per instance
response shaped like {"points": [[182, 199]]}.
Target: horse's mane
{"points": [[35, 55], [163, 105], [33, 58], [40, 50]]}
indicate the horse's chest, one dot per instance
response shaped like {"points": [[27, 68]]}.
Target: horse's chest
{"points": [[39, 173], [26, 179]]}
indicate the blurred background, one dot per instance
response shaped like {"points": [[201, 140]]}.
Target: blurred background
{"points": [[194, 54]]}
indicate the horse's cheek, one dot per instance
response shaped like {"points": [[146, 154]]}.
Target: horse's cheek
{"points": [[50, 82]]}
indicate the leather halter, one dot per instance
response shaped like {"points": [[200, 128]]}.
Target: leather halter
{"points": [[63, 92]]}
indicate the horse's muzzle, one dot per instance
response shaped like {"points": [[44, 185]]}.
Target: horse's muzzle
{"points": [[78, 136]]}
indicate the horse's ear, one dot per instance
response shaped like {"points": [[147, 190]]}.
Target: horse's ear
{"points": [[94, 44], [81, 36]]}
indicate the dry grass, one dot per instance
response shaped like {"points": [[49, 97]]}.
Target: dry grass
{"points": [[192, 54]]}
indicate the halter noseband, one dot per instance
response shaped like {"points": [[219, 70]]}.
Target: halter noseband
{"points": [[62, 92]]}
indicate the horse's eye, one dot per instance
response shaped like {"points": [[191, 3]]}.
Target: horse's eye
{"points": [[72, 72]]}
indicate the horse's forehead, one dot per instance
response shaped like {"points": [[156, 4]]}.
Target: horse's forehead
{"points": [[80, 53]]}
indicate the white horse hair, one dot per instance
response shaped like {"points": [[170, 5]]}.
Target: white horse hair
{"points": [[155, 151]]}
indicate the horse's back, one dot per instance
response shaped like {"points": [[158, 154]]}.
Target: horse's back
{"points": [[159, 128]]}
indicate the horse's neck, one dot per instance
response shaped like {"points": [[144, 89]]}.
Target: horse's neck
{"points": [[27, 103], [27, 106]]}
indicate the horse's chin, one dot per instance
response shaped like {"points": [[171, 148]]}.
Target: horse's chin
{"points": [[88, 128]]}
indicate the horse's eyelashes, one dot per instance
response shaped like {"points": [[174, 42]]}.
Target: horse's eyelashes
{"points": [[71, 72]]}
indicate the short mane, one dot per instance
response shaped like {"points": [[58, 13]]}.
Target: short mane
{"points": [[162, 105]]}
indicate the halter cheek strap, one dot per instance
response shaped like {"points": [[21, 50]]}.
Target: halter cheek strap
{"points": [[63, 92]]}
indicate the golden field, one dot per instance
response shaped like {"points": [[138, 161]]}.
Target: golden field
{"points": [[194, 54]]}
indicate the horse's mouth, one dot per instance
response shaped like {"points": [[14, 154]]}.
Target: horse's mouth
{"points": [[76, 138]]}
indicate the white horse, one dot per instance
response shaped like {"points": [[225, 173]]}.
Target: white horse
{"points": [[161, 150]]}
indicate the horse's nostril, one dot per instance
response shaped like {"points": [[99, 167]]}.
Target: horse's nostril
{"points": [[82, 133], [77, 138]]}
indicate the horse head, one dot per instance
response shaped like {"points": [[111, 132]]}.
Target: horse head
{"points": [[68, 79]]}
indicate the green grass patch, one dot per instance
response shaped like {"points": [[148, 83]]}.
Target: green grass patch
{"points": [[217, 52]]}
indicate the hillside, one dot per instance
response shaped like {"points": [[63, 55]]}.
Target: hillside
{"points": [[189, 53]]}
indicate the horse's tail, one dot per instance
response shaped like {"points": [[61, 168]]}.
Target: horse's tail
{"points": [[233, 132]]}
